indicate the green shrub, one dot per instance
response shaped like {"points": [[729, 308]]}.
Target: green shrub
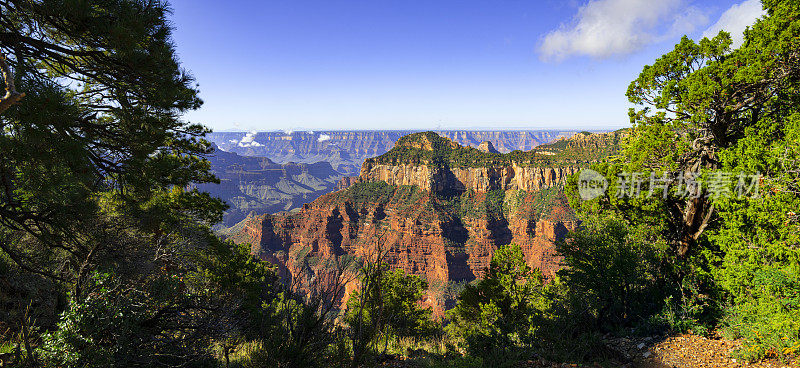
{"points": [[497, 318], [386, 310], [615, 270], [768, 328], [112, 326], [758, 268]]}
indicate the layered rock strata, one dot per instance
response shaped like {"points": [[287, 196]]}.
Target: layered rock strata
{"points": [[440, 221]]}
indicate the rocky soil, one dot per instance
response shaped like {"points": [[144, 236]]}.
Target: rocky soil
{"points": [[678, 351], [698, 351]]}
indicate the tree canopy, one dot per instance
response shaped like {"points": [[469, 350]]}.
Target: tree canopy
{"points": [[98, 128], [713, 114]]}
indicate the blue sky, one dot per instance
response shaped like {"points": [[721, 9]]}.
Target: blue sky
{"points": [[413, 64]]}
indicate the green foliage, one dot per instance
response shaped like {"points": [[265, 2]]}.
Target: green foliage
{"points": [[95, 158], [615, 270], [397, 303], [480, 205], [100, 209], [496, 318], [113, 326], [545, 200], [279, 325], [376, 191], [514, 199], [759, 264], [302, 337], [494, 202], [769, 320], [104, 92], [705, 107], [234, 275]]}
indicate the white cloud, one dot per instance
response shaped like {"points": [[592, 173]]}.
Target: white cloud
{"points": [[249, 140], [323, 138], [249, 137], [687, 22], [735, 20], [603, 28]]}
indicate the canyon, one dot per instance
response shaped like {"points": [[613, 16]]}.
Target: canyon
{"points": [[430, 217], [271, 172], [257, 185], [347, 150]]}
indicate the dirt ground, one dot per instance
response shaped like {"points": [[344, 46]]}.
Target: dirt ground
{"points": [[679, 351]]}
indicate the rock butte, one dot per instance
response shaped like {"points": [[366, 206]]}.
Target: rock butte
{"points": [[417, 229]]}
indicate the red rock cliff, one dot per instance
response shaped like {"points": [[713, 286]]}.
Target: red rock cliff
{"points": [[420, 232], [436, 221]]}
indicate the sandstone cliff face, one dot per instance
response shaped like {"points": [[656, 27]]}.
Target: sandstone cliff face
{"points": [[442, 221], [346, 182], [487, 146], [420, 233], [479, 179]]}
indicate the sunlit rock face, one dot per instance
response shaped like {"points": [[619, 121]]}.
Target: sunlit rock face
{"points": [[442, 222], [420, 233], [479, 179]]}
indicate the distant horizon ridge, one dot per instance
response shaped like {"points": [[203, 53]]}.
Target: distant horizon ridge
{"points": [[479, 129]]}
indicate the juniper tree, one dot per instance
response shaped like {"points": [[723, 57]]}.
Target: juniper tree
{"points": [[701, 98], [704, 107]]}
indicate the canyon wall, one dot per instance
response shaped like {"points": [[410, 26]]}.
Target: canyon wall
{"points": [[479, 179], [434, 210], [419, 233], [259, 185], [347, 150]]}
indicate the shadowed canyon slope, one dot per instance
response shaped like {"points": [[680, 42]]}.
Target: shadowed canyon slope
{"points": [[437, 208], [258, 185]]}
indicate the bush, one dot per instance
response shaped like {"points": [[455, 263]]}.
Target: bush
{"points": [[497, 318], [614, 269], [758, 268], [113, 326], [394, 309], [769, 328]]}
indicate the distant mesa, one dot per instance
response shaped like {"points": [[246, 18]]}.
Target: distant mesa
{"points": [[425, 141]]}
